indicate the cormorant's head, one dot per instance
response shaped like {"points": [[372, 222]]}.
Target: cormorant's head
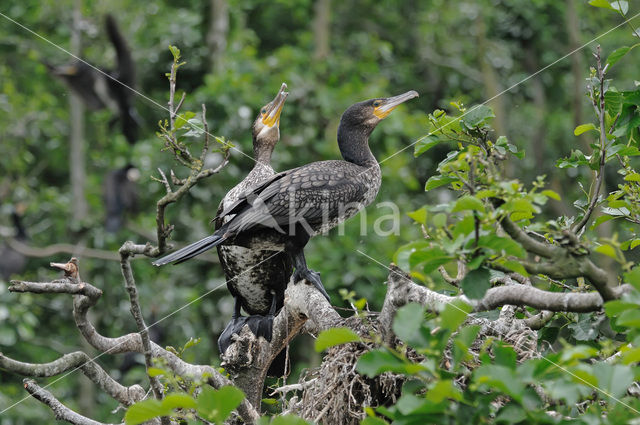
{"points": [[266, 127], [370, 112]]}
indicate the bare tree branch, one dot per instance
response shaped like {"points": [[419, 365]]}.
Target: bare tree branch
{"points": [[61, 411], [599, 106], [125, 395], [136, 312]]}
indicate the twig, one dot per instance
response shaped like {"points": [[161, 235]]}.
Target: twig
{"points": [[603, 153], [60, 248], [136, 312]]}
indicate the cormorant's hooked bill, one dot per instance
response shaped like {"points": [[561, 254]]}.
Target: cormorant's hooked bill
{"points": [[383, 107], [271, 112]]}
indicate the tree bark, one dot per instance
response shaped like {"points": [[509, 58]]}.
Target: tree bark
{"points": [[218, 33], [321, 29]]}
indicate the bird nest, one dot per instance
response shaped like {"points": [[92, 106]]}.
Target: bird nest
{"points": [[335, 393]]}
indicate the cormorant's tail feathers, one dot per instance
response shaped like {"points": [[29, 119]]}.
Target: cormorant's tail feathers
{"points": [[190, 251]]}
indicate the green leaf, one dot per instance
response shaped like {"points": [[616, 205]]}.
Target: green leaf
{"points": [[178, 400], [621, 6], [603, 218], [614, 379], [408, 321], [437, 181], [154, 371], [476, 116], [378, 361], [217, 405], [335, 336], [289, 420], [468, 202], [476, 283], [440, 220], [629, 318], [442, 390], [615, 307], [454, 313], [618, 54], [182, 119], [419, 216], [192, 342], [499, 244], [144, 410], [601, 3], [501, 378], [175, 52], [372, 420], [583, 128], [633, 277], [607, 250], [424, 144], [633, 177], [551, 194]]}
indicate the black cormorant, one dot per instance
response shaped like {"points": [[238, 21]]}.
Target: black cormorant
{"points": [[256, 278], [11, 261], [98, 91], [288, 209], [120, 195]]}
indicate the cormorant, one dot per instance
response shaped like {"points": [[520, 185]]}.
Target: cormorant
{"points": [[288, 209], [256, 278], [11, 261], [120, 195], [99, 91]]}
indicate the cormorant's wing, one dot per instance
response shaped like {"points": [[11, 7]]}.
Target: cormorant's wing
{"points": [[249, 196], [316, 193]]}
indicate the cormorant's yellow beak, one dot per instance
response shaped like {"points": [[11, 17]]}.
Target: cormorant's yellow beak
{"points": [[67, 70], [272, 116], [385, 106]]}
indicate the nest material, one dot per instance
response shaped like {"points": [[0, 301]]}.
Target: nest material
{"points": [[335, 393]]}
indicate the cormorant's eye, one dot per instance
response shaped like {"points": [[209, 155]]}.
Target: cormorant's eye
{"points": [[263, 111], [377, 103]]}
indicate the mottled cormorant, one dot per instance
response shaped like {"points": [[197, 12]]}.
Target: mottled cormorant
{"points": [[120, 195], [98, 91], [288, 209], [256, 279]]}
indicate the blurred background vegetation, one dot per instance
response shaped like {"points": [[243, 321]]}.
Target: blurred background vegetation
{"points": [[238, 52]]}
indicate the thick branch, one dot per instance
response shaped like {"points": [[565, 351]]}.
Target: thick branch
{"points": [[61, 286], [527, 242], [541, 300], [61, 411], [248, 359], [401, 290], [78, 359]]}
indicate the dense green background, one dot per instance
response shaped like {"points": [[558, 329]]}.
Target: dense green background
{"points": [[467, 51]]}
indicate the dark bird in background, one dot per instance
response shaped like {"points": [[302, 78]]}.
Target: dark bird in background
{"points": [[284, 212], [11, 261], [120, 195], [98, 91], [257, 279]]}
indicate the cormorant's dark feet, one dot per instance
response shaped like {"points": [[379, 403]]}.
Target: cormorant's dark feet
{"points": [[259, 325], [313, 278]]}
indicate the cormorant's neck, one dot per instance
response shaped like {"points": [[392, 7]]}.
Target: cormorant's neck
{"points": [[17, 222], [353, 142], [262, 152]]}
